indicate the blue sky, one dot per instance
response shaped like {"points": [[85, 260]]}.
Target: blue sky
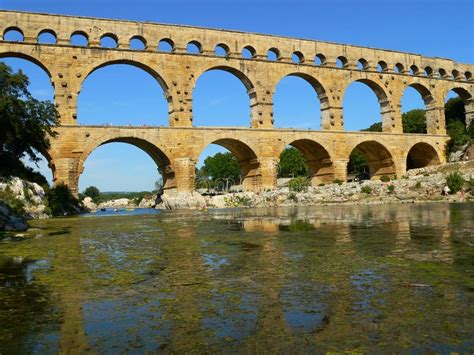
{"points": [[125, 95]]}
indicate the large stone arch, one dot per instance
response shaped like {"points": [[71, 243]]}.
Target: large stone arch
{"points": [[29, 58], [379, 157], [428, 98], [240, 75], [466, 97], [318, 86], [159, 156], [382, 97], [321, 168], [245, 155], [420, 155], [143, 66]]}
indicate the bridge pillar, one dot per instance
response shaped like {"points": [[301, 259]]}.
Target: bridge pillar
{"points": [[180, 107], [268, 171], [340, 169], [435, 120], [66, 172], [332, 118], [184, 169], [65, 99], [261, 109], [469, 108]]}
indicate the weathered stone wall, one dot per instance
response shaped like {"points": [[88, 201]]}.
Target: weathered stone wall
{"points": [[176, 149]]}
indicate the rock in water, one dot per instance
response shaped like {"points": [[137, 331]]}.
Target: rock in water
{"points": [[177, 200], [89, 205], [10, 221]]}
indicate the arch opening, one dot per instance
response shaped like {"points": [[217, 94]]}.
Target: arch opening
{"points": [[123, 93], [421, 155], [306, 158], [222, 96], [366, 107], [298, 102], [80, 39], [248, 52], [362, 64], [459, 118], [137, 43], [273, 54], [399, 68], [320, 59], [194, 47], [13, 34], [382, 67], [341, 62], [227, 164], [297, 57], [109, 41], [370, 160], [222, 50], [105, 166], [47, 37], [415, 104], [166, 45]]}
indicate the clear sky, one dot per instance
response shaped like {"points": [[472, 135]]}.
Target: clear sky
{"points": [[121, 94]]}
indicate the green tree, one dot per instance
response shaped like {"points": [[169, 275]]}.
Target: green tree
{"points": [[221, 166], [414, 121], [92, 192], [26, 123], [358, 163], [376, 127], [292, 163]]}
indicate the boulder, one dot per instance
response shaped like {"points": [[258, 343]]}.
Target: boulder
{"points": [[148, 201], [179, 200], [10, 221], [89, 205], [117, 203]]}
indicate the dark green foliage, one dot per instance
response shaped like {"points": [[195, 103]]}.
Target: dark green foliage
{"points": [[221, 166], [414, 121], [385, 178], [26, 123], [61, 202], [92, 192], [390, 188], [366, 190], [455, 182], [292, 163], [9, 198], [418, 185], [376, 127], [298, 184], [358, 163], [107, 196]]}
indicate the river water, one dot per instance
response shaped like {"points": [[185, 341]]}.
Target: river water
{"points": [[334, 278]]}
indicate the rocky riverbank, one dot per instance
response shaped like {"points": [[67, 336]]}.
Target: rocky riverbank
{"points": [[419, 185]]}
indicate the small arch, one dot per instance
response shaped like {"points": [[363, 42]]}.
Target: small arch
{"points": [[379, 160], [421, 155], [442, 73], [429, 72], [320, 165], [246, 158], [414, 70], [468, 75], [382, 66], [320, 59], [13, 34], [79, 38], [47, 37], [399, 68], [362, 64], [297, 57], [222, 50], [341, 62], [455, 74], [194, 47], [166, 45], [109, 40], [248, 52], [273, 54], [138, 43]]}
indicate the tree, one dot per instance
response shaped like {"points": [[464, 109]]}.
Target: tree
{"points": [[221, 166], [358, 163], [292, 163], [414, 121], [92, 192], [26, 123], [376, 127]]}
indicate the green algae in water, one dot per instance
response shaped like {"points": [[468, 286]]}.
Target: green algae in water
{"points": [[324, 279]]}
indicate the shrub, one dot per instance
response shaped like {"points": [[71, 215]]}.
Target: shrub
{"points": [[337, 181], [298, 184], [292, 196], [238, 201], [9, 198], [366, 190], [60, 201], [455, 182], [385, 178], [418, 185], [322, 184], [390, 188]]}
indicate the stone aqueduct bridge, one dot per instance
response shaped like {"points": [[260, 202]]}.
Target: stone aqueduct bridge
{"points": [[176, 148]]}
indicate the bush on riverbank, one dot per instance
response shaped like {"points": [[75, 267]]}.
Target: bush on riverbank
{"points": [[455, 182]]}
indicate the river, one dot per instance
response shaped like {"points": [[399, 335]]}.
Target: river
{"points": [[383, 278]]}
